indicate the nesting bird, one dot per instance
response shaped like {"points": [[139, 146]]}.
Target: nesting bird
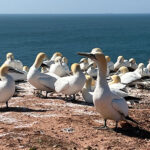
{"points": [[121, 62], [57, 68], [116, 83], [11, 61], [133, 64], [52, 59], [16, 64]]}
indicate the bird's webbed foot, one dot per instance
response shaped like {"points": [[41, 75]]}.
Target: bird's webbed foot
{"points": [[105, 127]]}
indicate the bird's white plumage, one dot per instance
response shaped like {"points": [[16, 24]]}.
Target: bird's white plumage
{"points": [[87, 92], [108, 104], [10, 61], [71, 84], [132, 76], [118, 86], [41, 81], [7, 86], [58, 68]]}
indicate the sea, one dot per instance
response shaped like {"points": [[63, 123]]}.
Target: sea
{"points": [[116, 34]]}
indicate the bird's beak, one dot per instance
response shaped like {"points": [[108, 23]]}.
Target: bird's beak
{"points": [[44, 65], [89, 55], [12, 70], [81, 62], [89, 66], [118, 72]]}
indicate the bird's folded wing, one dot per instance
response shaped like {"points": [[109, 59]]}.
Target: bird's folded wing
{"points": [[61, 85], [121, 106], [119, 92], [45, 81]]}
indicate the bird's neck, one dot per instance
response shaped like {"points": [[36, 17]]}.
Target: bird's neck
{"points": [[4, 77], [88, 85], [37, 63], [101, 76]]}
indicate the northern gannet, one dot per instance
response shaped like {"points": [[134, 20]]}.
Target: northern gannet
{"points": [[16, 64], [44, 69], [110, 64], [7, 84], [41, 81], [133, 64], [71, 84], [65, 65], [12, 62], [128, 77], [25, 69], [92, 70], [87, 92], [109, 105], [121, 62], [52, 59], [116, 83], [122, 70], [94, 50], [84, 64], [148, 66], [57, 68]]}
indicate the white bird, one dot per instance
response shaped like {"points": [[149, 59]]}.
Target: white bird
{"points": [[44, 69], [148, 66], [109, 105], [133, 64], [121, 62], [116, 83], [92, 70], [145, 71], [94, 50], [71, 84], [41, 81], [52, 59], [25, 69], [16, 64], [57, 68], [129, 77], [110, 64], [12, 62], [115, 87], [65, 65], [87, 92], [122, 70], [7, 84], [84, 64]]}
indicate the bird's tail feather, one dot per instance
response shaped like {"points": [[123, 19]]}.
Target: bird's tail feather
{"points": [[130, 119]]}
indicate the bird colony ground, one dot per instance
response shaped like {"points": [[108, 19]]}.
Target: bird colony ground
{"points": [[33, 123]]}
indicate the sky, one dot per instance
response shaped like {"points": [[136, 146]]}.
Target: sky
{"points": [[73, 6]]}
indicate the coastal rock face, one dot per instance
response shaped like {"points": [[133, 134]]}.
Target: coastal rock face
{"points": [[55, 123]]}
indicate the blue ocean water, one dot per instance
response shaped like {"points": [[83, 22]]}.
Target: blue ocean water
{"points": [[26, 35]]}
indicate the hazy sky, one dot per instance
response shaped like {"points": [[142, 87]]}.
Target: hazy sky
{"points": [[74, 6]]}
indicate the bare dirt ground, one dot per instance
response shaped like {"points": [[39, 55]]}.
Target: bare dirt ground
{"points": [[33, 123]]}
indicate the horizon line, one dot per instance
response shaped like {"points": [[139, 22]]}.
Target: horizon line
{"points": [[73, 13]]}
